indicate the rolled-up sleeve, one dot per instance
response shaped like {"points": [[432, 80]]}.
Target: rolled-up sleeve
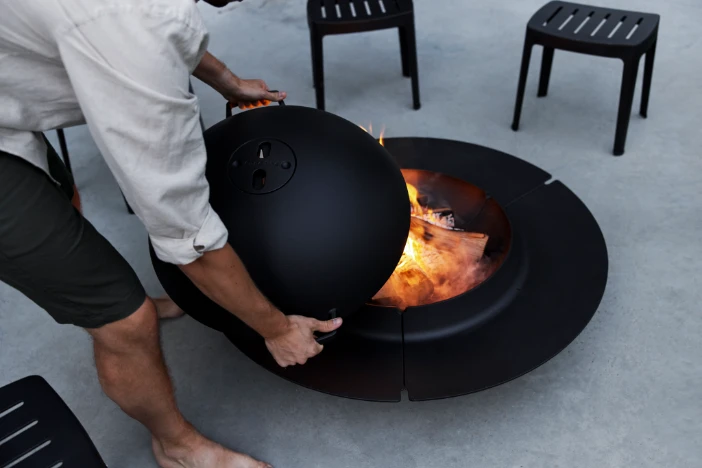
{"points": [[130, 69]]}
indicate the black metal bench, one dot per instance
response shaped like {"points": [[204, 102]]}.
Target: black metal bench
{"points": [[38, 430], [605, 32], [326, 17]]}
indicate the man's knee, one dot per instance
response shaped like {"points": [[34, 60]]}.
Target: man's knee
{"points": [[137, 330]]}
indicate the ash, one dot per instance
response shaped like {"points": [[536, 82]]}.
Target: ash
{"points": [[442, 218]]}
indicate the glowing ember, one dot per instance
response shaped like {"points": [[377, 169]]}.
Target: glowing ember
{"points": [[439, 261]]}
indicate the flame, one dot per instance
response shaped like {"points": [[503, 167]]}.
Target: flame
{"points": [[438, 261], [370, 131]]}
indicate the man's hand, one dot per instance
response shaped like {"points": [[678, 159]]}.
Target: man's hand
{"points": [[248, 94], [221, 276], [296, 344]]}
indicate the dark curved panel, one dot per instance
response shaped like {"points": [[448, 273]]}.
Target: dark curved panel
{"points": [[502, 176], [567, 273], [363, 361]]}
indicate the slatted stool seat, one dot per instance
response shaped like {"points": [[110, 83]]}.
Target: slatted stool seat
{"points": [[326, 17], [38, 430], [604, 32]]}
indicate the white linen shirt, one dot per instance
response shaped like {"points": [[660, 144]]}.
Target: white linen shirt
{"points": [[122, 67]]}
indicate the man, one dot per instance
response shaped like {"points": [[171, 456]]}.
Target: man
{"points": [[123, 68]]}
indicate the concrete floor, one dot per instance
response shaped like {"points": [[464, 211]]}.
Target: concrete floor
{"points": [[626, 393]]}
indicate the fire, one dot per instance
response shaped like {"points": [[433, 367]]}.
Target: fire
{"points": [[439, 261], [370, 131]]}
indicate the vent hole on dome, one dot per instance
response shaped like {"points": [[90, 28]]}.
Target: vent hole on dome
{"points": [[264, 150], [259, 179]]}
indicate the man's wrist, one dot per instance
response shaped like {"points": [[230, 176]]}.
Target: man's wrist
{"points": [[277, 326], [227, 84]]}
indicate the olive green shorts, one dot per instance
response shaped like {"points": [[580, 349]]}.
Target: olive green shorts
{"points": [[53, 255]]}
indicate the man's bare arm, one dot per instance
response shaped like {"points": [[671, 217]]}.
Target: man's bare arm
{"points": [[213, 72], [222, 276]]}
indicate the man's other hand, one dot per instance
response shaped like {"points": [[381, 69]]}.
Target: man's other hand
{"points": [[248, 94], [296, 344], [245, 94]]}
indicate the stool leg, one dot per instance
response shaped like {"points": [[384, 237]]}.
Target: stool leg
{"points": [[546, 62], [412, 59], [318, 67], [403, 51], [64, 149], [648, 73], [526, 57], [626, 99], [314, 85]]}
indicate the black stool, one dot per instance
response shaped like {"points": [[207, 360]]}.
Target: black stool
{"points": [[625, 35], [327, 17], [37, 429]]}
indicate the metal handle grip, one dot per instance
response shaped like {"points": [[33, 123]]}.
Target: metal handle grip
{"points": [[325, 337], [228, 111]]}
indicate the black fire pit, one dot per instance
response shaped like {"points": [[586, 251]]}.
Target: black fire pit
{"points": [[550, 275]]}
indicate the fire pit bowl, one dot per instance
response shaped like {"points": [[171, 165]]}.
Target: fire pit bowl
{"points": [[550, 274], [316, 208]]}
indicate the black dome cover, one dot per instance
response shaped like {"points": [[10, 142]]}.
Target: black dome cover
{"points": [[316, 208]]}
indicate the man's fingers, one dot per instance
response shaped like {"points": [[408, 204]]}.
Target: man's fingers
{"points": [[280, 362], [269, 97], [326, 326], [275, 97]]}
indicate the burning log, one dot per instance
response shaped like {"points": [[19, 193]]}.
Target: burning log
{"points": [[436, 242], [442, 217], [437, 263], [439, 260], [408, 285]]}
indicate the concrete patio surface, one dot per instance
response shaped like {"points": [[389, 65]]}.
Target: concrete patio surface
{"points": [[626, 393]]}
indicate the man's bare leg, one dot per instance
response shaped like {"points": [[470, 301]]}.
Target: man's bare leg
{"points": [[133, 374], [166, 308]]}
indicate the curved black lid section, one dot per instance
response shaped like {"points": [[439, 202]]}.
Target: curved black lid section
{"points": [[333, 227]]}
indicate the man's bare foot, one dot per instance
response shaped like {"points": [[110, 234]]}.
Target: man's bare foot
{"points": [[166, 308], [198, 452]]}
